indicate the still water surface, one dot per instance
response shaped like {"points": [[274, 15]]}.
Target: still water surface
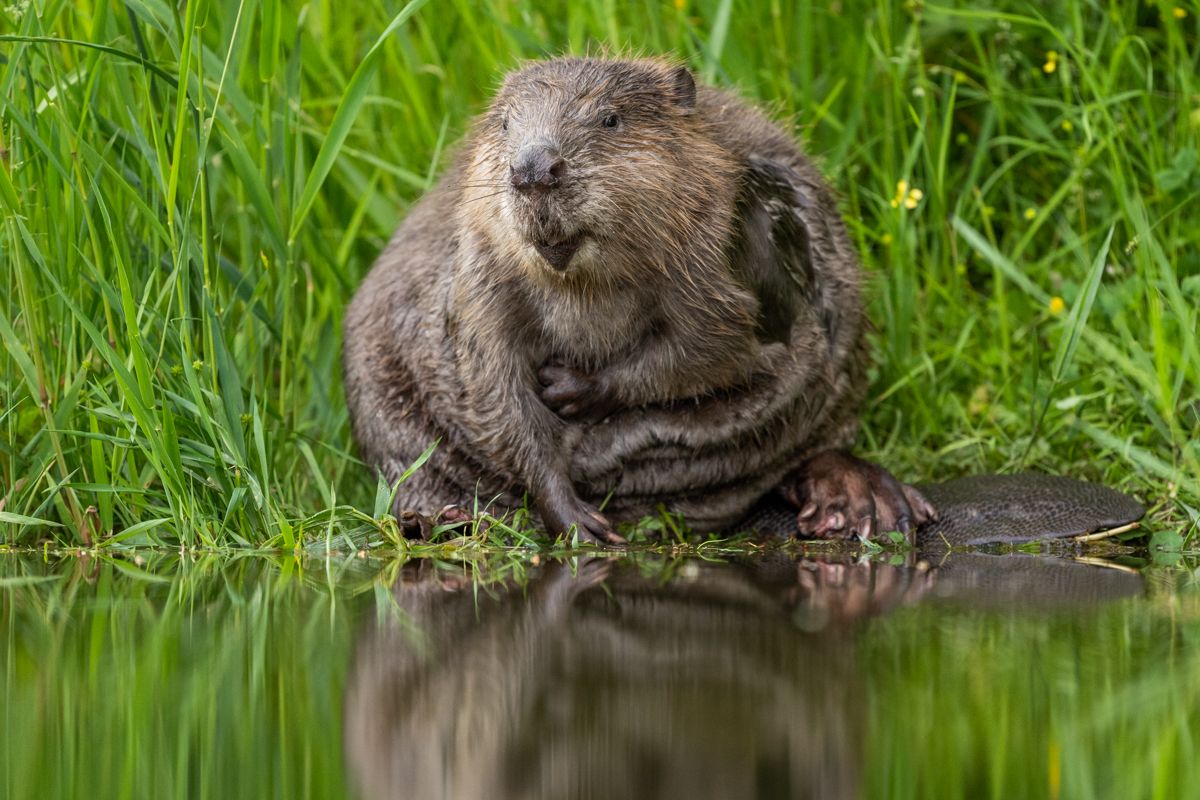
{"points": [[635, 677]]}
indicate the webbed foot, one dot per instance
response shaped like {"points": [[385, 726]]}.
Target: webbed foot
{"points": [[841, 497]]}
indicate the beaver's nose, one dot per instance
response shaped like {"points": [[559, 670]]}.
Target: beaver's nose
{"points": [[537, 168]]}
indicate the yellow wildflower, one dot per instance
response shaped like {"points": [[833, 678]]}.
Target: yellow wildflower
{"points": [[1179, 13], [904, 195], [1051, 62], [886, 240], [1057, 305], [980, 400], [1067, 126], [1030, 213], [679, 4]]}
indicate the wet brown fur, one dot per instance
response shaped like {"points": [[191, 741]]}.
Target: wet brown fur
{"points": [[445, 336]]}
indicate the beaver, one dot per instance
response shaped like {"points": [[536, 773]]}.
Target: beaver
{"points": [[627, 290]]}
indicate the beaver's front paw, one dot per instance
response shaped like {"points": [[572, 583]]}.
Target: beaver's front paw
{"points": [[560, 512], [840, 497], [573, 394]]}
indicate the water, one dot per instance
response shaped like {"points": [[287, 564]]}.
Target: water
{"points": [[636, 677]]}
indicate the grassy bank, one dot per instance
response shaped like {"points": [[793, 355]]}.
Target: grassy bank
{"points": [[191, 193]]}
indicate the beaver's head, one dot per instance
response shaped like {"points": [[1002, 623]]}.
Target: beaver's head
{"points": [[594, 166]]}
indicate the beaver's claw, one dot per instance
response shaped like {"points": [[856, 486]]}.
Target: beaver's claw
{"points": [[841, 497]]}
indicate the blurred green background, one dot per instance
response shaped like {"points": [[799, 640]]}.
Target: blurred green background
{"points": [[190, 194]]}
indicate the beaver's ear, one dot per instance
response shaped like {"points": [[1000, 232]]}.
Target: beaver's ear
{"points": [[683, 87]]}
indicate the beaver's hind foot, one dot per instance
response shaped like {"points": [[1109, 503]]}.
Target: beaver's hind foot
{"points": [[841, 497]]}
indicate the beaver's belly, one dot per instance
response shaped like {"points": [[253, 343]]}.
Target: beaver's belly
{"points": [[708, 463]]}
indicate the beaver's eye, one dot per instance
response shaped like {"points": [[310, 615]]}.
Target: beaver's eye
{"points": [[611, 121], [504, 123]]}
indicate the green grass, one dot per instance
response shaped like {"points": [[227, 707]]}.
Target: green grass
{"points": [[191, 193]]}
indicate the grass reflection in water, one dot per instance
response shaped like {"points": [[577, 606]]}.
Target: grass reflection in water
{"points": [[642, 676]]}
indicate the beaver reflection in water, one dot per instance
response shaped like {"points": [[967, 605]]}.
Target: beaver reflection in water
{"points": [[707, 685], [722, 681], [628, 290]]}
